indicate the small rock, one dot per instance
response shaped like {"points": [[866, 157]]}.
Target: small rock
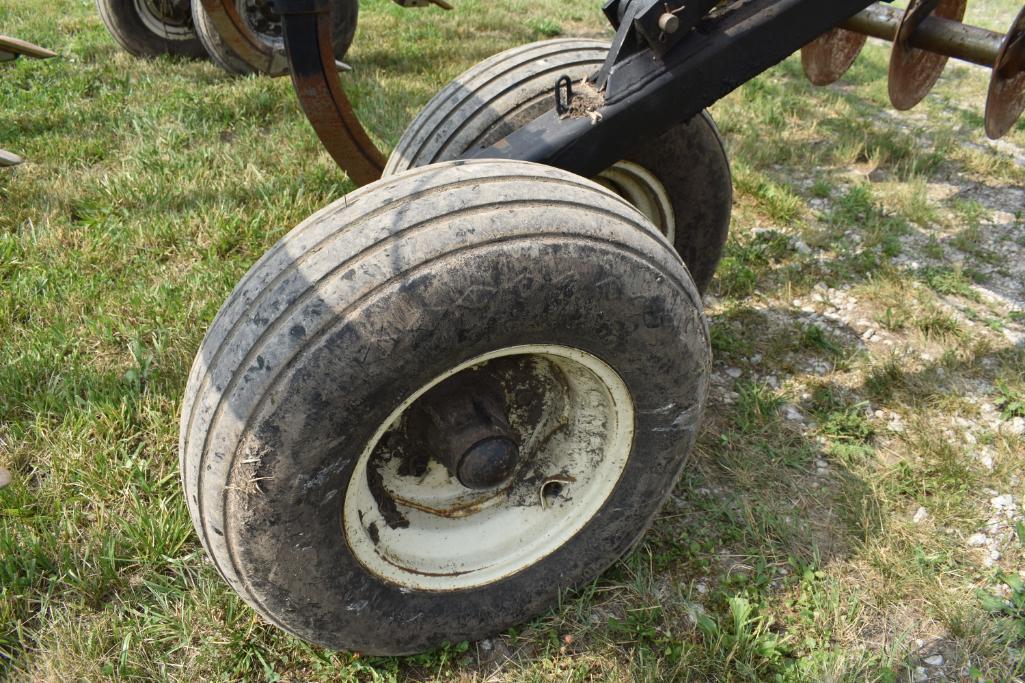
{"points": [[987, 461], [921, 514], [790, 412], [921, 674], [994, 555], [1002, 502], [801, 248], [734, 372], [5, 477], [977, 540], [1015, 427], [701, 588], [486, 645], [933, 660]]}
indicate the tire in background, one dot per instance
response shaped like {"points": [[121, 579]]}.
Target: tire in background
{"points": [[150, 28], [267, 27]]}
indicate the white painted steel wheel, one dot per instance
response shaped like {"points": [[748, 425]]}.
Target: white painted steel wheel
{"points": [[458, 538], [680, 180], [645, 191], [317, 414]]}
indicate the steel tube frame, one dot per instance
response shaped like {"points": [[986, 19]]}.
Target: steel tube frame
{"points": [[935, 34]]}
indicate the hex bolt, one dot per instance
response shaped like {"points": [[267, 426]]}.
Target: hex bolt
{"points": [[669, 23]]}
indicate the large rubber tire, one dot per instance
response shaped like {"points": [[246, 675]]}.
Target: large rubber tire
{"points": [[370, 298], [501, 94], [141, 38], [344, 17]]}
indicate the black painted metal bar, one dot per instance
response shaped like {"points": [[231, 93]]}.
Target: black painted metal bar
{"points": [[646, 96]]}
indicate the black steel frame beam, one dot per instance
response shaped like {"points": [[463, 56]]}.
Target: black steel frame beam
{"points": [[646, 96]]}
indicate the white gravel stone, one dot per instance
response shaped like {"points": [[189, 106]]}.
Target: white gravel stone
{"points": [[1002, 502], [5, 477], [933, 660], [978, 540], [921, 514], [734, 372], [921, 674], [1015, 427]]}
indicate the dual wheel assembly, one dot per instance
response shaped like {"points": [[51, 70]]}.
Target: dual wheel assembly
{"points": [[240, 36], [444, 400]]}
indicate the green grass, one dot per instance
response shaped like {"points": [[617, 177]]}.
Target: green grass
{"points": [[787, 551]]}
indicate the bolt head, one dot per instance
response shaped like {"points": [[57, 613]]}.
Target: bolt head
{"points": [[669, 23]]}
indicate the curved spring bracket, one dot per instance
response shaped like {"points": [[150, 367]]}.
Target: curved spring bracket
{"points": [[913, 71], [306, 25], [233, 30]]}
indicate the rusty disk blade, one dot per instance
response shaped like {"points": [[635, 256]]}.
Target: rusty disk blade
{"points": [[828, 57], [1006, 100], [914, 72]]}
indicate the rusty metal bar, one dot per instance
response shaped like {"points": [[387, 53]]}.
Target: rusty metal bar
{"points": [[306, 27], [935, 34]]}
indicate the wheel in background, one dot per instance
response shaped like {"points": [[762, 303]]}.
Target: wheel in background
{"points": [[440, 402], [266, 26], [680, 180], [149, 28]]}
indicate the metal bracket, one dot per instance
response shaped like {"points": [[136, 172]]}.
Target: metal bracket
{"points": [[658, 25]]}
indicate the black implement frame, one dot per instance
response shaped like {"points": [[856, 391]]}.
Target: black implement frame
{"points": [[670, 59]]}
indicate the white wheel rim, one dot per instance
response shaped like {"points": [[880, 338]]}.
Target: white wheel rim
{"points": [[159, 18], [644, 191], [580, 443]]}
